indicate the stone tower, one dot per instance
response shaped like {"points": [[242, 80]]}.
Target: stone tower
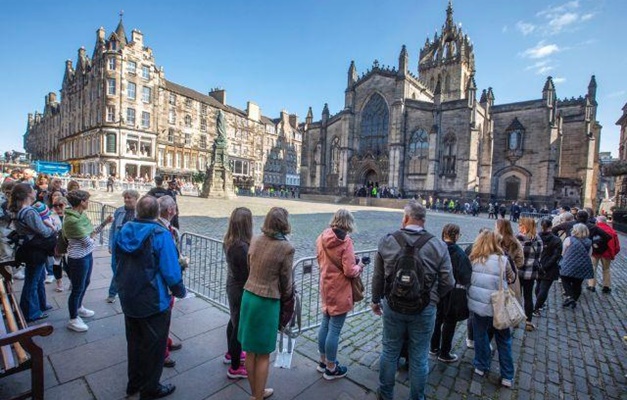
{"points": [[449, 59]]}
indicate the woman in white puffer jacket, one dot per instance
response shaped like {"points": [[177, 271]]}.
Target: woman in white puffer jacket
{"points": [[488, 263]]}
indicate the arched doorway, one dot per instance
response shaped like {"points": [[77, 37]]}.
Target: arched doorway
{"points": [[512, 188], [370, 177]]}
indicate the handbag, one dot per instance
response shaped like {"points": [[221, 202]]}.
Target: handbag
{"points": [[358, 288], [286, 310], [61, 246], [507, 310]]}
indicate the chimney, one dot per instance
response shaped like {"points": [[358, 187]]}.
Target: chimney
{"points": [[294, 120], [218, 94], [100, 34], [252, 111], [52, 97], [137, 37]]}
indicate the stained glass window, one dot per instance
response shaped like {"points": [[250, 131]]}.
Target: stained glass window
{"points": [[374, 126], [418, 152]]}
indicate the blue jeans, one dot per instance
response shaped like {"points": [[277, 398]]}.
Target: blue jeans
{"points": [[397, 328], [113, 290], [80, 272], [33, 298], [483, 355], [329, 335]]}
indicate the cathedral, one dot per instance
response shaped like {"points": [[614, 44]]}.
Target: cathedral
{"points": [[432, 134]]}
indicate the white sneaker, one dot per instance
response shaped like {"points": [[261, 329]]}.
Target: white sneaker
{"points": [[77, 325], [85, 313], [470, 344], [49, 279], [19, 274]]}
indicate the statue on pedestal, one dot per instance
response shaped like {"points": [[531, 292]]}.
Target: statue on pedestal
{"points": [[219, 179]]}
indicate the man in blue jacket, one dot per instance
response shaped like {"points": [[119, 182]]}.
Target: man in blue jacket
{"points": [[147, 271]]}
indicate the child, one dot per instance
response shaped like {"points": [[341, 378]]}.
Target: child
{"points": [[45, 214]]}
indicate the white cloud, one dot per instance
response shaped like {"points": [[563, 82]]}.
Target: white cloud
{"points": [[559, 80], [613, 95], [559, 22], [588, 16], [525, 27], [541, 67], [541, 50]]}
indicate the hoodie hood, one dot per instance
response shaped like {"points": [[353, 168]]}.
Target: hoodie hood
{"points": [[134, 233], [330, 239]]}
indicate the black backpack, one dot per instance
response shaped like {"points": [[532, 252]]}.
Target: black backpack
{"points": [[409, 286]]}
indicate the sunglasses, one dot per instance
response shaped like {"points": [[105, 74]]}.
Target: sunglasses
{"points": [[60, 205]]}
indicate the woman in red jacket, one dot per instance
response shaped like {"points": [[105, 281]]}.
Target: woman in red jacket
{"points": [[338, 265]]}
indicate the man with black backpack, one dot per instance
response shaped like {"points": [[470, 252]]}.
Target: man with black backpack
{"points": [[412, 271]]}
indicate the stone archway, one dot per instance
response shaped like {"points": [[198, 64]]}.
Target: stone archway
{"points": [[370, 176]]}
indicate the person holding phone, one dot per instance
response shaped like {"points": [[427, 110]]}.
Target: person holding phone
{"points": [[338, 265]]}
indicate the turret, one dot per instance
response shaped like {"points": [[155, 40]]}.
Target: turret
{"points": [[352, 75], [548, 92], [121, 34], [403, 61], [592, 90]]}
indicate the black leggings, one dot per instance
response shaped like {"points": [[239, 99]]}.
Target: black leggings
{"points": [[526, 286], [542, 292], [572, 287], [57, 269]]}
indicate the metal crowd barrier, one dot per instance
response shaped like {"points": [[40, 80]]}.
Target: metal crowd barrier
{"points": [[97, 212]]}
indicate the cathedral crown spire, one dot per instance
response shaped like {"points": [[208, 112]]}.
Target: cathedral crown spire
{"points": [[449, 14]]}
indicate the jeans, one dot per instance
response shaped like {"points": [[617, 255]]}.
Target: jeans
{"points": [[442, 338], [80, 272], [33, 298], [542, 292], [483, 355], [113, 290], [572, 287], [418, 328], [329, 335], [526, 285], [605, 264]]}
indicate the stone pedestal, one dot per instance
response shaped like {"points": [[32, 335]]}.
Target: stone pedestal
{"points": [[218, 183]]}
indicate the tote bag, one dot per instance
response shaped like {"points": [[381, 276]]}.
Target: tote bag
{"points": [[507, 310]]}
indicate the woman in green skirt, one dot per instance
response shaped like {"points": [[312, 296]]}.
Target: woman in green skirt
{"points": [[270, 259]]}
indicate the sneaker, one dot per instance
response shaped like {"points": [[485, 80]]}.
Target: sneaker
{"points": [[227, 357], [77, 325], [606, 289], [85, 313], [239, 373], [321, 367], [448, 358], [434, 352], [529, 327], [470, 344], [110, 299], [567, 302], [537, 313], [339, 372], [506, 383], [591, 288], [19, 274], [169, 363], [49, 279], [479, 372]]}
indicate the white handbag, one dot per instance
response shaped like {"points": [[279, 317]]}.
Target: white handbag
{"points": [[507, 310]]}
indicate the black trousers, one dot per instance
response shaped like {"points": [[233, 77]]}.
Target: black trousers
{"points": [[442, 337], [234, 295], [146, 339], [572, 287], [526, 286], [542, 292]]}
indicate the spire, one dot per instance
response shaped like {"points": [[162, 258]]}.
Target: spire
{"points": [[548, 91], [471, 84], [592, 89], [309, 118], [484, 97], [325, 110], [403, 61], [449, 14], [352, 74], [490, 96], [548, 85], [119, 31]]}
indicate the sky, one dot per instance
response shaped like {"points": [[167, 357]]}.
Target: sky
{"points": [[291, 55]]}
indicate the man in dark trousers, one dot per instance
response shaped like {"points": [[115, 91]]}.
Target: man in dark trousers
{"points": [[147, 271]]}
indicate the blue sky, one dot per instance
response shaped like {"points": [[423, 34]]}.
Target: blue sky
{"points": [[295, 54]]}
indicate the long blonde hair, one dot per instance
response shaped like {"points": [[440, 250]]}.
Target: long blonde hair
{"points": [[486, 244], [529, 225]]}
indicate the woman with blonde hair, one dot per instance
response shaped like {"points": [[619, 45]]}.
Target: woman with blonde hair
{"points": [[576, 264], [338, 265], [490, 270], [269, 283], [528, 272]]}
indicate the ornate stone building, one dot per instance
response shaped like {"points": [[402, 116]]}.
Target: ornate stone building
{"points": [[119, 114], [428, 134]]}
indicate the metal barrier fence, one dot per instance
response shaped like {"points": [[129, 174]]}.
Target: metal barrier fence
{"points": [[118, 186]]}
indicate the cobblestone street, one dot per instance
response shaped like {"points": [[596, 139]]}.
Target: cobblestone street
{"points": [[573, 354]]}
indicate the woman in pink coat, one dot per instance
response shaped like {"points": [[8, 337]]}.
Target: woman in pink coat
{"points": [[338, 265]]}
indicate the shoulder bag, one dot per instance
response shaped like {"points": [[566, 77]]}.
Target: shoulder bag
{"points": [[507, 310]]}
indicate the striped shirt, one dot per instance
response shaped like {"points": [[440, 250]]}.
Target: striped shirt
{"points": [[79, 248]]}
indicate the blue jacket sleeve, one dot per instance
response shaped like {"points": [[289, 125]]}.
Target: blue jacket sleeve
{"points": [[169, 264]]}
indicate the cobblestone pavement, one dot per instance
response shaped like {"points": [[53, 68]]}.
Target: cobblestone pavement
{"points": [[573, 354]]}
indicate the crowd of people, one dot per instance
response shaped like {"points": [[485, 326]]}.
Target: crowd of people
{"points": [[423, 284]]}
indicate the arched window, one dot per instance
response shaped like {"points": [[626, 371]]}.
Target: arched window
{"points": [[335, 155], [418, 152], [374, 126]]}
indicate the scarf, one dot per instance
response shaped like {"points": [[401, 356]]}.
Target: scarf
{"points": [[76, 225]]}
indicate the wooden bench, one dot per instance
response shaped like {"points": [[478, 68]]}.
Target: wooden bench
{"points": [[18, 351]]}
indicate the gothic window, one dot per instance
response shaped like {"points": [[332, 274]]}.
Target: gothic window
{"points": [[418, 152], [514, 140], [448, 154], [335, 155], [374, 126]]}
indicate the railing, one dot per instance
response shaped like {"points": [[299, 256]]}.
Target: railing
{"points": [[207, 269], [101, 184], [97, 212]]}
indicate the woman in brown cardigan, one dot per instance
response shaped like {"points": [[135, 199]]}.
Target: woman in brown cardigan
{"points": [[270, 259]]}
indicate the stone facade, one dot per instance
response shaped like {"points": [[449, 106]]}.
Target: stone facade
{"points": [[428, 135], [621, 164], [119, 114]]}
